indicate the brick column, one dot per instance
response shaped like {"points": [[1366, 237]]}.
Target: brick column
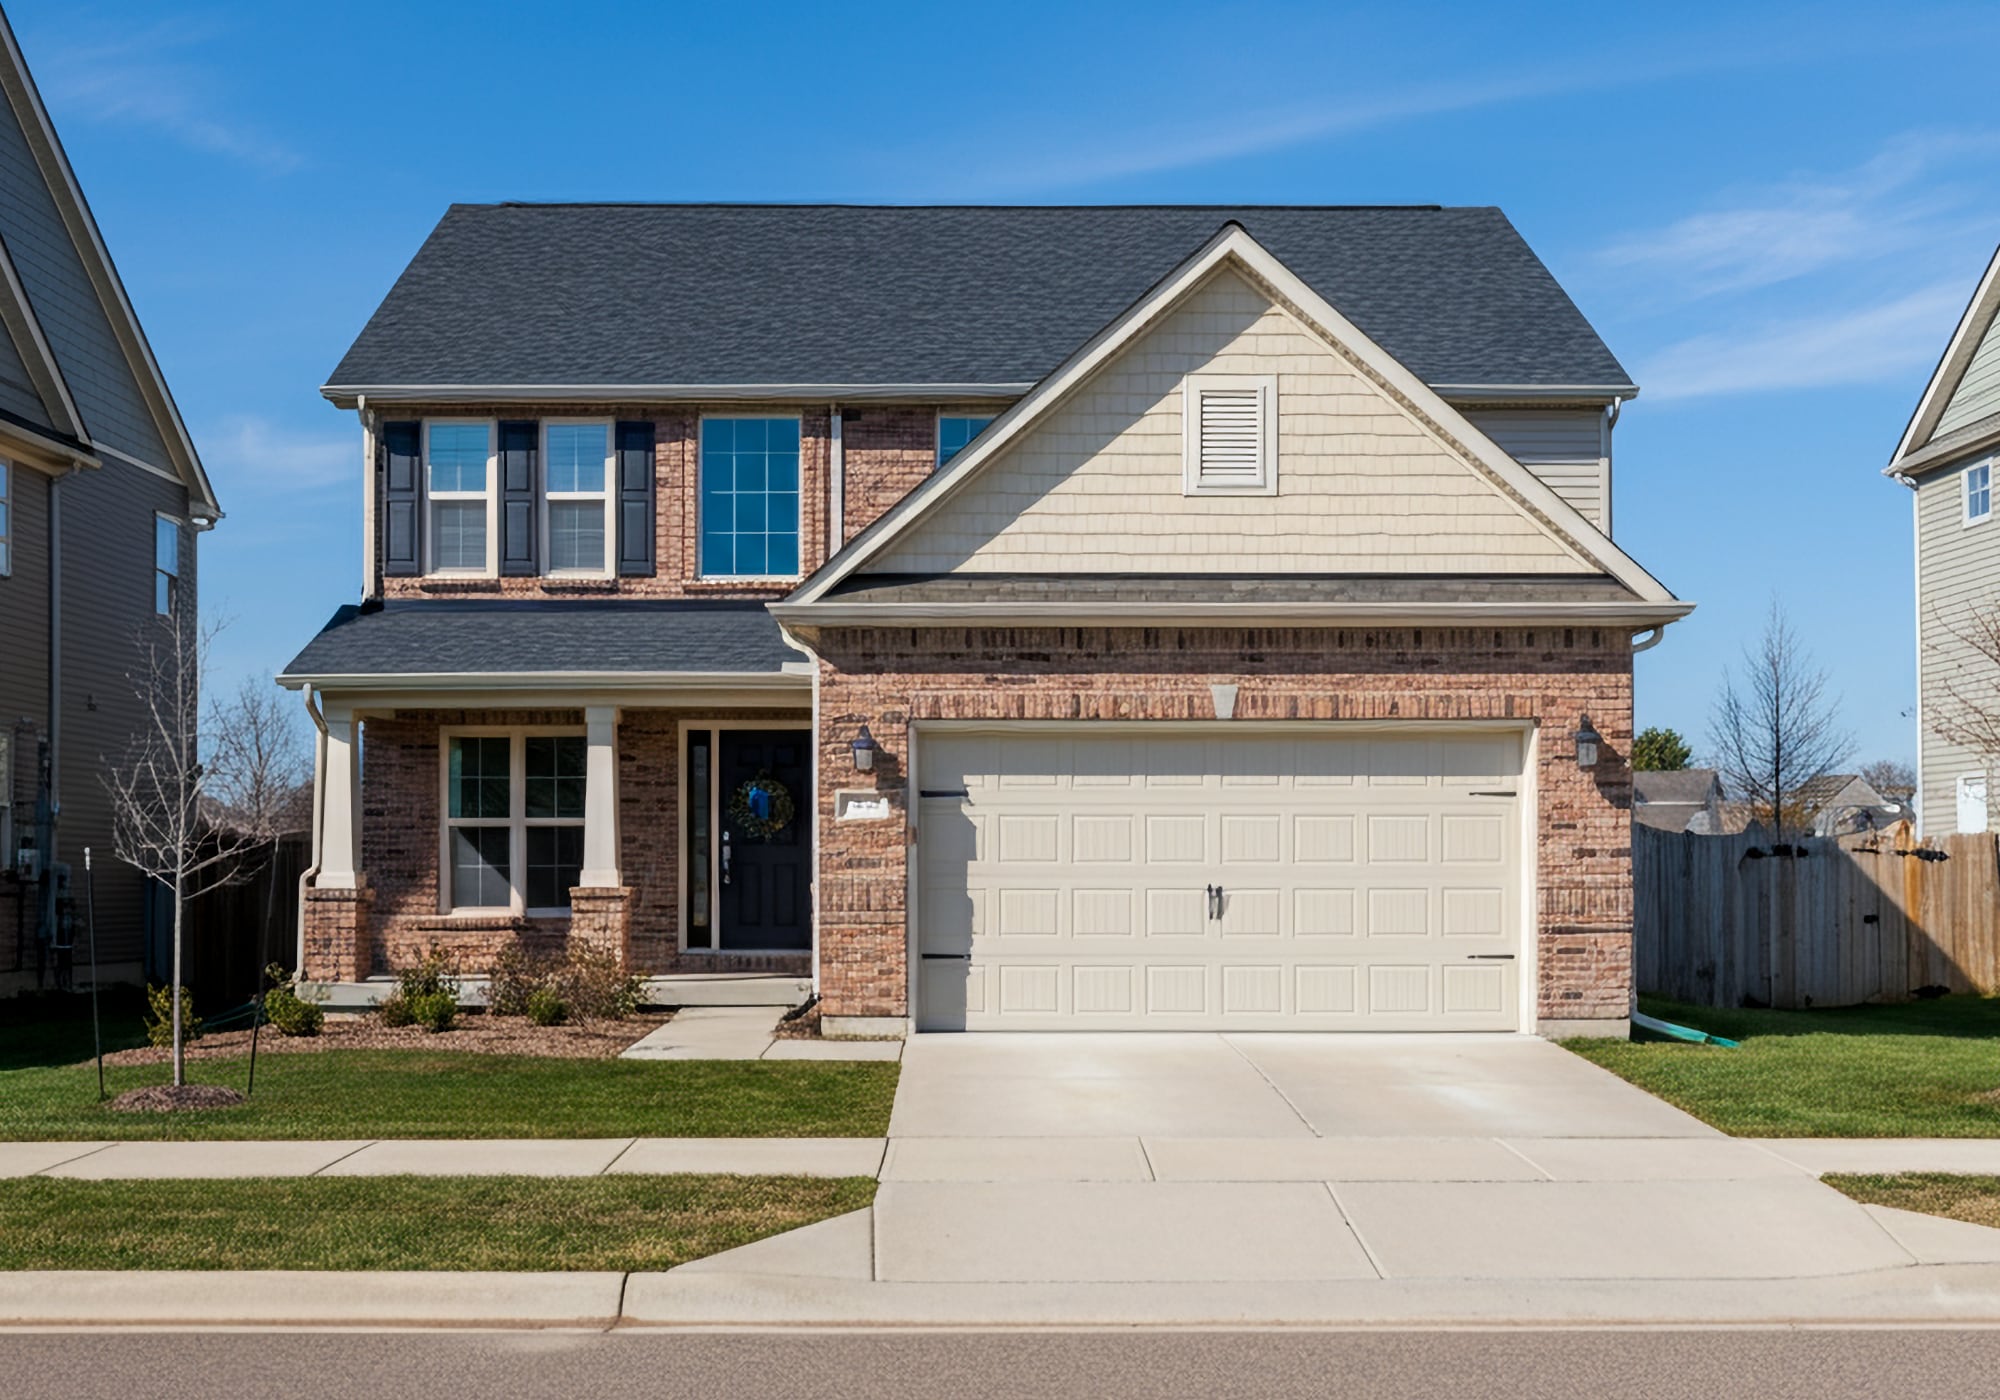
{"points": [[339, 938], [602, 918]]}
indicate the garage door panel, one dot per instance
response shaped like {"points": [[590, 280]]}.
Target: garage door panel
{"points": [[1368, 881]]}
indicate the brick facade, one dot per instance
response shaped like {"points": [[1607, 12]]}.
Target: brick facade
{"points": [[891, 679], [396, 919]]}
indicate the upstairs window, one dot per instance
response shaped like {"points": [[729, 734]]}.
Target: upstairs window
{"points": [[1978, 493], [750, 498], [577, 475], [166, 565], [458, 476], [6, 533], [1229, 435], [955, 433]]}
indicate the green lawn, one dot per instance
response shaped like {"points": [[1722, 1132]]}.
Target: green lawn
{"points": [[1924, 1069], [406, 1222], [1973, 1199], [45, 1093]]}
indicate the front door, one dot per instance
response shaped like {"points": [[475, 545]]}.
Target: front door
{"points": [[765, 849]]}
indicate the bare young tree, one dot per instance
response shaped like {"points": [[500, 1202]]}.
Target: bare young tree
{"points": [[1778, 730], [1891, 777], [191, 824], [1963, 703]]}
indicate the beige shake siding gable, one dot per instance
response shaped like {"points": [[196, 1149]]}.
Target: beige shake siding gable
{"points": [[1095, 486]]}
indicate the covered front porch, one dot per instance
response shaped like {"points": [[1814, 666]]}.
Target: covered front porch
{"points": [[664, 815]]}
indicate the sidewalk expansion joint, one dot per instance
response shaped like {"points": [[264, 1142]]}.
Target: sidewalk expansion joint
{"points": [[328, 1166], [1547, 1175], [1341, 1210], [618, 1157]]}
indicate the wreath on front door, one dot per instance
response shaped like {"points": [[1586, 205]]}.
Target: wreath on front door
{"points": [[762, 807]]}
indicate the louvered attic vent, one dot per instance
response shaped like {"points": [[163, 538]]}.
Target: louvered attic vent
{"points": [[1229, 423]]}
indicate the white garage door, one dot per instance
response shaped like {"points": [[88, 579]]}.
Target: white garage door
{"points": [[1218, 879]]}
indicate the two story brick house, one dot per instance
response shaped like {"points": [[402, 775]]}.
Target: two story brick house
{"points": [[1087, 618]]}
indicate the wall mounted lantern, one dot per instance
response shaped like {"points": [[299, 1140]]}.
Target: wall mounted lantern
{"points": [[864, 750], [1587, 741]]}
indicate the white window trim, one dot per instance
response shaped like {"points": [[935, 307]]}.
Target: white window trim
{"points": [[1966, 517], [1267, 475], [6, 553], [517, 821], [491, 495], [180, 548], [700, 469], [608, 497], [937, 434]]}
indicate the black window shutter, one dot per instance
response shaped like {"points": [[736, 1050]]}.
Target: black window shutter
{"points": [[402, 486], [518, 532], [635, 499]]}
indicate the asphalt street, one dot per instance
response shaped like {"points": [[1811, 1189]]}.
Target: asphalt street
{"points": [[1769, 1364]]}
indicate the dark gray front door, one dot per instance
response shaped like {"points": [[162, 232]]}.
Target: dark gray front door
{"points": [[765, 899]]}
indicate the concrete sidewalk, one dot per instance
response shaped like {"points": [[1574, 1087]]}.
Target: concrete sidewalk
{"points": [[746, 1033]]}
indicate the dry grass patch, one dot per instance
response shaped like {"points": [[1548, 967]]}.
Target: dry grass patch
{"points": [[1973, 1199]]}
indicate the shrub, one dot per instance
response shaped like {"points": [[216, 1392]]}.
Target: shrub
{"points": [[160, 1017], [514, 978], [595, 985], [438, 972], [286, 1009], [394, 1009], [435, 1011], [546, 1007]]}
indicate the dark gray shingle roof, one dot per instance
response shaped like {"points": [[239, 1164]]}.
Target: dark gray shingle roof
{"points": [[516, 294], [512, 637]]}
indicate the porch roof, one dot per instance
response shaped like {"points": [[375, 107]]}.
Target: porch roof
{"points": [[505, 640]]}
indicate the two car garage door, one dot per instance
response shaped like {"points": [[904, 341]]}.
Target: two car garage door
{"points": [[1219, 878]]}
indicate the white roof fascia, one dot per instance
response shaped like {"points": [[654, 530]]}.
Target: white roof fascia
{"points": [[89, 240], [25, 329], [1557, 517], [1951, 365], [346, 395]]}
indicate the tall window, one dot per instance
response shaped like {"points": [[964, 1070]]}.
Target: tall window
{"points": [[955, 433], [1978, 493], [514, 811], [457, 466], [166, 565], [750, 497], [6, 524], [577, 472]]}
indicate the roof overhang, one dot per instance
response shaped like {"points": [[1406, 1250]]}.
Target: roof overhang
{"points": [[566, 689], [1595, 394], [350, 395], [33, 447], [1951, 367], [1636, 613], [1969, 441]]}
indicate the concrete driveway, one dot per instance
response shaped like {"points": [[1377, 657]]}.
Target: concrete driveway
{"points": [[1080, 1158]]}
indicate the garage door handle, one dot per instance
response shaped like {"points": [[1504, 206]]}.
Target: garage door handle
{"points": [[945, 957], [1489, 957], [1214, 901]]}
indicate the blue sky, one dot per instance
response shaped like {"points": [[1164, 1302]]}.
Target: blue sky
{"points": [[1773, 215]]}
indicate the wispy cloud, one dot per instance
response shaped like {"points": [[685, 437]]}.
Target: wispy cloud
{"points": [[145, 78], [1902, 200], [1864, 345], [256, 454]]}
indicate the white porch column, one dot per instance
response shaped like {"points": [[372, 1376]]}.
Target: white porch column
{"points": [[600, 799], [340, 832]]}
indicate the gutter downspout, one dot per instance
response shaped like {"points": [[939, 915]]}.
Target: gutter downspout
{"points": [[311, 872], [1921, 800], [836, 490], [48, 840]]}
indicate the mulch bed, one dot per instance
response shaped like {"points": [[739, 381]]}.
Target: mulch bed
{"points": [[476, 1033], [805, 1027], [165, 1098]]}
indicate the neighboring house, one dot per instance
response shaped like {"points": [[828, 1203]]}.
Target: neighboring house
{"points": [[1097, 618], [101, 496], [1840, 803], [1689, 799], [1949, 456]]}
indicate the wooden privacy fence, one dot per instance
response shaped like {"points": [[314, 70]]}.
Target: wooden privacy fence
{"points": [[1823, 921]]}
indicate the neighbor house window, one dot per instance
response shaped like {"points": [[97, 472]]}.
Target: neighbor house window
{"points": [[458, 474], [6, 525], [513, 836], [955, 433], [1229, 435], [750, 497], [166, 565], [577, 473], [1972, 811], [1978, 493]]}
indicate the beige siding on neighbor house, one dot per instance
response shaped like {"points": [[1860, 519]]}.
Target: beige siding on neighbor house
{"points": [[1568, 448], [1095, 486], [1978, 393], [1958, 566]]}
